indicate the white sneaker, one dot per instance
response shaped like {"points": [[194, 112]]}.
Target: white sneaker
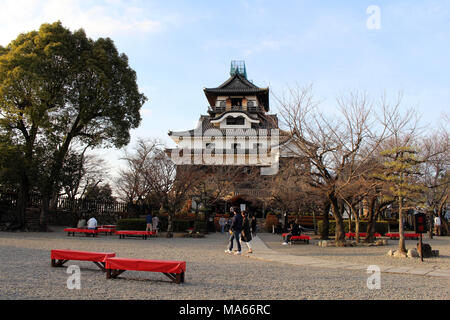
{"points": [[228, 251], [237, 253], [284, 244]]}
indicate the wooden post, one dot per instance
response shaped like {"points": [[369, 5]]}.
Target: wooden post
{"points": [[314, 222], [420, 247]]}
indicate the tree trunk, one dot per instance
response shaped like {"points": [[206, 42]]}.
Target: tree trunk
{"points": [[326, 222], [350, 220], [371, 222], [401, 243], [354, 211], [339, 230], [430, 224], [44, 211], [444, 225], [22, 203], [170, 225]]}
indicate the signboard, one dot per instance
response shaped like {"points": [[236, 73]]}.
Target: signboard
{"points": [[242, 207], [420, 223]]}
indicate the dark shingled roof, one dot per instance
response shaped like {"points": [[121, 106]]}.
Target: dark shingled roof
{"points": [[238, 85], [268, 121]]}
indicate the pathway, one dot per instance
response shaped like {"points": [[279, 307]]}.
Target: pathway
{"points": [[262, 252]]}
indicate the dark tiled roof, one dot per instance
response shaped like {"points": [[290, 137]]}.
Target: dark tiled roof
{"points": [[266, 122], [251, 116], [238, 85]]}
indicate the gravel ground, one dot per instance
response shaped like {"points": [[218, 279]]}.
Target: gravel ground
{"points": [[25, 272], [366, 255]]}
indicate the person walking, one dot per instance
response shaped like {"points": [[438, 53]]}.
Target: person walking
{"points": [[235, 231], [246, 234], [149, 221]]}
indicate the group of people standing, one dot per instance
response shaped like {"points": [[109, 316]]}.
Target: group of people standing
{"points": [[241, 231], [152, 223]]}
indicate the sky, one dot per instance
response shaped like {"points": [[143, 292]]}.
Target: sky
{"points": [[179, 47]]}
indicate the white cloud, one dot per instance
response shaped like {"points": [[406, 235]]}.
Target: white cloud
{"points": [[108, 18]]}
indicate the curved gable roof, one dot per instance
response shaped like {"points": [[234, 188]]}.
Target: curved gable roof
{"points": [[237, 84]]}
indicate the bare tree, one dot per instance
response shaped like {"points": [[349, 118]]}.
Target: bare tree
{"points": [[336, 146], [171, 184], [132, 184], [435, 175]]}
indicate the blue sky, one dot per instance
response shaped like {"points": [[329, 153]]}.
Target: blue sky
{"points": [[178, 47]]}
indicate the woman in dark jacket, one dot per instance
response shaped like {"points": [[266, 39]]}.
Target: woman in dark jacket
{"points": [[246, 235]]}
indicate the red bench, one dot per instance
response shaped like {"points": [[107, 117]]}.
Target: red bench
{"points": [[60, 257], [414, 236], [144, 234], [174, 270], [303, 238], [87, 232], [108, 226], [106, 230]]}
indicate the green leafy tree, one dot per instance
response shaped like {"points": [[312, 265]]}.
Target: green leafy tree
{"points": [[401, 173], [58, 87]]}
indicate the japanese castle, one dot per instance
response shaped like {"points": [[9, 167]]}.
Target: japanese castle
{"points": [[237, 129]]}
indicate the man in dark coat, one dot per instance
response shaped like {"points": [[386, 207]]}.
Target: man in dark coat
{"points": [[235, 231], [294, 230]]}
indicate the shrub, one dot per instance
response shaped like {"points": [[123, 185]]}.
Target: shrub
{"points": [[132, 224], [271, 220], [380, 226], [200, 226], [179, 225]]}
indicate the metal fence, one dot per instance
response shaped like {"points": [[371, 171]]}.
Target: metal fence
{"points": [[62, 203]]}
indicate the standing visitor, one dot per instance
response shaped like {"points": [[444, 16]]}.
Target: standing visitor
{"points": [[254, 225], [222, 223], [235, 231], [155, 224], [246, 235], [437, 225], [149, 221]]}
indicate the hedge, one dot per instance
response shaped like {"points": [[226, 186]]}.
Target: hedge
{"points": [[380, 226], [141, 224], [132, 224], [271, 220]]}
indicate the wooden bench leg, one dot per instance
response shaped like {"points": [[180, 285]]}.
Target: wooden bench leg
{"points": [[113, 273], [58, 263], [175, 277], [101, 265]]}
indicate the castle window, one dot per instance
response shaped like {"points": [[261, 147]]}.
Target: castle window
{"points": [[235, 121], [236, 102]]}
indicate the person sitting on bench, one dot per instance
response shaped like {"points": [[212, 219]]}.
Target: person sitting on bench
{"points": [[294, 230], [92, 223]]}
